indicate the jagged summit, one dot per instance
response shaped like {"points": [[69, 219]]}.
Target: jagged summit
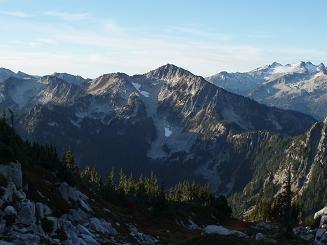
{"points": [[169, 72], [115, 74], [75, 79], [24, 75], [103, 83], [275, 67], [274, 64], [321, 67], [6, 73], [299, 86], [50, 79], [2, 69], [267, 67]]}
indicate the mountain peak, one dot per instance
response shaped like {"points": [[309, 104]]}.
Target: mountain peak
{"points": [[275, 64], [311, 68], [73, 79], [50, 79], [6, 73], [321, 68], [103, 83], [267, 67], [302, 64], [2, 69], [168, 72]]}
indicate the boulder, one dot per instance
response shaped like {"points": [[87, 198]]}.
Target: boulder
{"points": [[20, 195], [24, 236], [220, 230], [102, 226], [54, 221], [2, 226], [192, 225], [83, 230], [69, 194], [89, 239], [321, 237], [77, 215], [9, 192], [85, 205], [42, 210], [13, 173], [2, 242], [263, 226], [10, 210], [305, 233], [26, 214], [70, 230], [321, 212], [259, 237], [140, 237]]}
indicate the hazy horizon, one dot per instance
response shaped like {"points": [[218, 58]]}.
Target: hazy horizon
{"points": [[134, 37]]}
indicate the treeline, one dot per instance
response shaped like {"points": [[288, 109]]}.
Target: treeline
{"points": [[282, 208], [145, 191], [148, 192], [13, 148]]}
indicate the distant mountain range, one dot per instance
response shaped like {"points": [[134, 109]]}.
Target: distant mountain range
{"points": [[300, 87], [167, 120]]}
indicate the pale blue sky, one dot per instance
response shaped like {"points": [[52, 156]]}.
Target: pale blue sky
{"points": [[133, 36]]}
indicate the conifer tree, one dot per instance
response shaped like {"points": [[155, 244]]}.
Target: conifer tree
{"points": [[69, 160], [130, 185], [4, 116], [122, 182], [111, 179], [91, 175], [283, 210], [140, 189]]}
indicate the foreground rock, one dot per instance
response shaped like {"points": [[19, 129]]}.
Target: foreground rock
{"points": [[321, 234], [220, 230], [23, 221]]}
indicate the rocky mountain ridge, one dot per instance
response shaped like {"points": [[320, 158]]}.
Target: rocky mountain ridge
{"points": [[159, 118], [167, 120], [306, 157], [300, 87]]}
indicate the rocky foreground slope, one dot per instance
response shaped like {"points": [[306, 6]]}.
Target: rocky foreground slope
{"points": [[57, 213], [41, 212], [38, 206]]}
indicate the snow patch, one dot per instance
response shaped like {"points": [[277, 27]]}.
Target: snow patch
{"points": [[138, 88], [168, 132], [2, 97], [53, 124], [294, 68]]}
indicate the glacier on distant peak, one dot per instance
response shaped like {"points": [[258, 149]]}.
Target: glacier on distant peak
{"points": [[300, 86]]}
